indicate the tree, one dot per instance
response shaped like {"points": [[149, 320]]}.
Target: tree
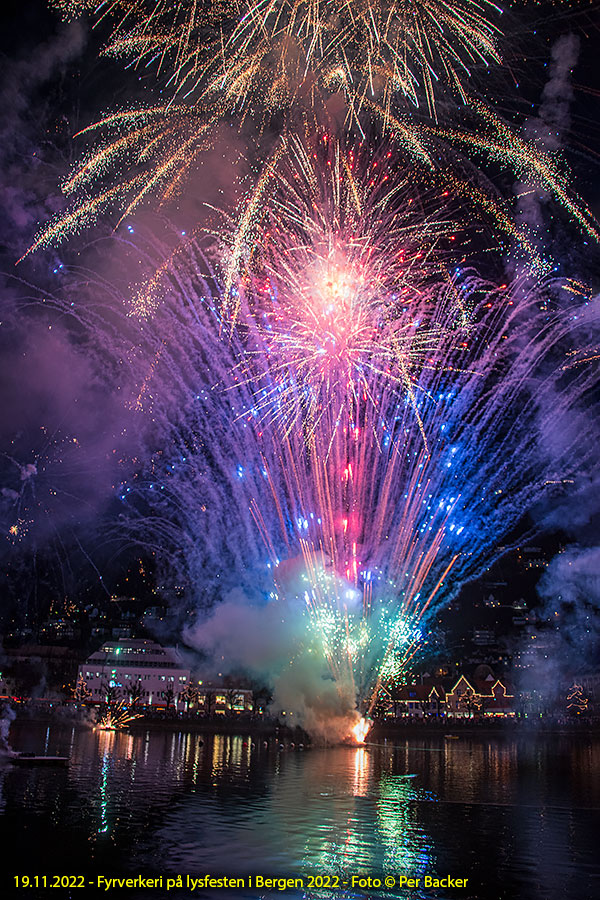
{"points": [[381, 704], [577, 702], [135, 692], [168, 697], [394, 688], [81, 692], [232, 696], [261, 698], [29, 676], [470, 702], [209, 701], [189, 695], [110, 692]]}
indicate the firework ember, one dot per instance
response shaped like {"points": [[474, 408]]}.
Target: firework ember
{"points": [[116, 718], [270, 52], [360, 731], [296, 59]]}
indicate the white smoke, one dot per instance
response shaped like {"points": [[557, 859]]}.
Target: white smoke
{"points": [[7, 716], [280, 645], [546, 130]]}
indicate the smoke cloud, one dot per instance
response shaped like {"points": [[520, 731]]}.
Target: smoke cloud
{"points": [[273, 644], [548, 127], [28, 179], [570, 589]]}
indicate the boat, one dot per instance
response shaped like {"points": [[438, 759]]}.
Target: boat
{"points": [[31, 759], [451, 737]]}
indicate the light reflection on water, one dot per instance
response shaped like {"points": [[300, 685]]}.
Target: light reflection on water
{"points": [[519, 818]]}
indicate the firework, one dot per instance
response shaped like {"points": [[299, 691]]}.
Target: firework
{"points": [[390, 500], [360, 731], [269, 53], [343, 280], [290, 59], [373, 48], [116, 717], [158, 147], [502, 144], [346, 417]]}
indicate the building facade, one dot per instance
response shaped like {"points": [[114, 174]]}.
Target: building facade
{"points": [[460, 698], [135, 669]]}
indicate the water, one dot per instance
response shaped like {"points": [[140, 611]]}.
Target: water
{"points": [[518, 817]]}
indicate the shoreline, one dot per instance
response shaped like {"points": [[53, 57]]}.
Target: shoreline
{"points": [[272, 728]]}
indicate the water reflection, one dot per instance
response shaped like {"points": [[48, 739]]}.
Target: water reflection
{"points": [[370, 827], [406, 846], [361, 771], [521, 814]]}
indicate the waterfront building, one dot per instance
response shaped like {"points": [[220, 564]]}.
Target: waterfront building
{"points": [[457, 698], [220, 700], [482, 697], [416, 700], [135, 669]]}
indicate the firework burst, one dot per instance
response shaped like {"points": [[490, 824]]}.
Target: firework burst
{"points": [[268, 53], [346, 392], [341, 282], [116, 718], [388, 506], [292, 59]]}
